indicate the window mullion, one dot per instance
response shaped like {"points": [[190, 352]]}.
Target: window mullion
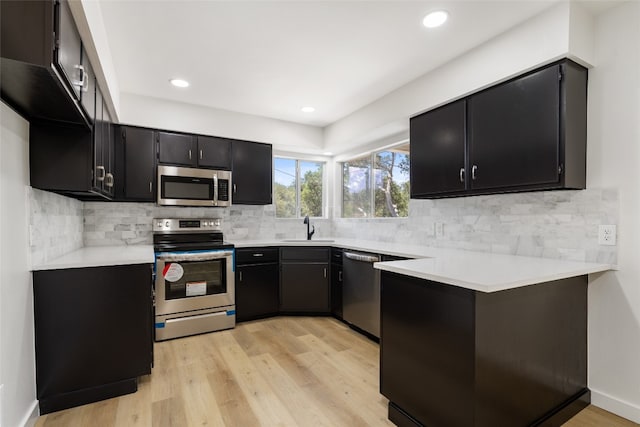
{"points": [[298, 213], [373, 186]]}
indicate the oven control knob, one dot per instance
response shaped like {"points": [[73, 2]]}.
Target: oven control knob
{"points": [[159, 224], [217, 223], [205, 223], [166, 224]]}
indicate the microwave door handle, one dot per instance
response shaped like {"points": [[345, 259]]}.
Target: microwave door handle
{"points": [[215, 189]]}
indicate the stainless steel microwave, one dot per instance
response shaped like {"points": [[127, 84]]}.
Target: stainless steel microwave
{"points": [[193, 187]]}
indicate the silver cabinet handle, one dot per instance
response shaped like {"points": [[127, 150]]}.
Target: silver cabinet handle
{"points": [[108, 182], [150, 185], [235, 190], [200, 154], [189, 154], [461, 174], [325, 272], [339, 276], [240, 275], [100, 177], [473, 172], [258, 255], [83, 77]]}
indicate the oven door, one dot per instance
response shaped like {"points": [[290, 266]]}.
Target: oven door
{"points": [[194, 280]]}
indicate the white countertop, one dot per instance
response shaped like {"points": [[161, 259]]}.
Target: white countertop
{"points": [[480, 271], [99, 256]]}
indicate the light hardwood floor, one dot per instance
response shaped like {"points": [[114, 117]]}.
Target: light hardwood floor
{"points": [[284, 371]]}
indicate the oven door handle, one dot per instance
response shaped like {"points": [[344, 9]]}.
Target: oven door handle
{"points": [[193, 256]]}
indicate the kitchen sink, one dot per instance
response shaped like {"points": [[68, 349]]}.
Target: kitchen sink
{"points": [[308, 241]]}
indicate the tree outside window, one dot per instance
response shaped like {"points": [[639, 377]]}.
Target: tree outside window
{"points": [[298, 188], [377, 185]]}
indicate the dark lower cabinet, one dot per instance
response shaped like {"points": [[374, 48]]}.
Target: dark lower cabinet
{"points": [[456, 357], [93, 333], [304, 280], [336, 282], [257, 283]]}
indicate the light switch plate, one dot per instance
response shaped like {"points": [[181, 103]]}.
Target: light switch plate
{"points": [[607, 235]]}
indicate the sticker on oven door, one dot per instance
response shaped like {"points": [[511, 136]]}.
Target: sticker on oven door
{"points": [[172, 272], [196, 288]]}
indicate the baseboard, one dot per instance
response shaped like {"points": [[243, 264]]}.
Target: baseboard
{"points": [[31, 416], [617, 406]]}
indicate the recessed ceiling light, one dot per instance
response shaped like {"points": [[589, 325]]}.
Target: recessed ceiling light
{"points": [[307, 109], [179, 83], [435, 19], [328, 153]]}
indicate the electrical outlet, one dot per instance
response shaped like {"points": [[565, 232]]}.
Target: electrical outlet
{"points": [[607, 235], [439, 229]]}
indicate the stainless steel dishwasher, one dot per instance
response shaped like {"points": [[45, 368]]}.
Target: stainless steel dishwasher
{"points": [[361, 291]]}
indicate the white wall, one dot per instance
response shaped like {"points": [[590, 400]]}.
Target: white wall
{"points": [[539, 40], [157, 113], [613, 158], [17, 353]]}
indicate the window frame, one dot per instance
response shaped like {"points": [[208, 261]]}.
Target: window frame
{"points": [[372, 182], [298, 207]]}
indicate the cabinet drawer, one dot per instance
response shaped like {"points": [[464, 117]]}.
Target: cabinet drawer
{"points": [[304, 254], [256, 255]]}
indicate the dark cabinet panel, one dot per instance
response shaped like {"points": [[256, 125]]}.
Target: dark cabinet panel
{"points": [[304, 280], [514, 132], [438, 147], [336, 290], [135, 162], [177, 149], [214, 152], [92, 332], [257, 291], [69, 51], [41, 61], [526, 134], [88, 92], [252, 173], [304, 288]]}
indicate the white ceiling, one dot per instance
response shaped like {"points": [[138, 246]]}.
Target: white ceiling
{"points": [[270, 58]]}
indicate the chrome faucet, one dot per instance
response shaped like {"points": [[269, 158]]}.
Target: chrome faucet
{"points": [[313, 230]]}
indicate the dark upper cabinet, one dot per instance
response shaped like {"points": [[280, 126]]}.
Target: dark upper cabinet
{"points": [[88, 90], [252, 173], [438, 151], [514, 131], [135, 164], [526, 134], [177, 149], [214, 152], [41, 61]]}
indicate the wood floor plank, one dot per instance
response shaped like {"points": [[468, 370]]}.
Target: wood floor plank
{"points": [[289, 371]]}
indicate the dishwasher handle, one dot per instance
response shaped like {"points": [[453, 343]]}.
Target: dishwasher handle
{"points": [[361, 257]]}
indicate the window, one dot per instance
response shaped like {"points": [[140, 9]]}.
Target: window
{"points": [[298, 188], [377, 185]]}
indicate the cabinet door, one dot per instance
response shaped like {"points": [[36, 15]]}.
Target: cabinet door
{"points": [[214, 153], [99, 169], [257, 291], [108, 154], [304, 288], [438, 151], [177, 149], [69, 52], [136, 174], [514, 132], [252, 173], [336, 290], [88, 92]]}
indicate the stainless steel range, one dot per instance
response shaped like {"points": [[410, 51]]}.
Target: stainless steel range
{"points": [[194, 278]]}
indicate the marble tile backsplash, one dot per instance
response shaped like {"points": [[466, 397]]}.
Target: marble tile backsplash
{"points": [[108, 223], [55, 226], [549, 224]]}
